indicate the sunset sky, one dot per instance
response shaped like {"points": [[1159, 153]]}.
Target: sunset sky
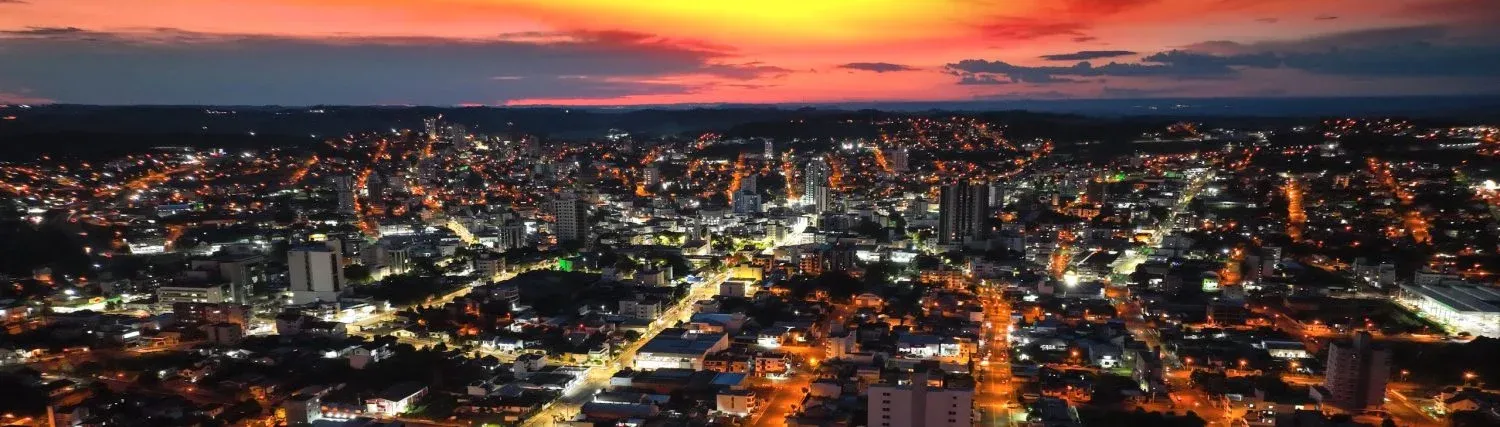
{"points": [[611, 52]]}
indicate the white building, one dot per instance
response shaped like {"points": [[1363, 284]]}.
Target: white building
{"points": [[815, 184], [746, 202], [316, 273], [572, 218], [489, 265], [739, 403], [738, 288], [212, 293], [1459, 306], [646, 308], [927, 399], [396, 399], [899, 160], [679, 348]]}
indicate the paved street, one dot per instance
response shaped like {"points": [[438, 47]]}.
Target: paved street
{"points": [[597, 378], [995, 395]]}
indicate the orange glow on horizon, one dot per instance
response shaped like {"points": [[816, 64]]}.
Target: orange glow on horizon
{"points": [[802, 49]]}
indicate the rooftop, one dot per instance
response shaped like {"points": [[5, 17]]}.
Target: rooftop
{"points": [[1460, 297], [681, 341]]}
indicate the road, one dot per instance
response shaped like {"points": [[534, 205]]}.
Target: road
{"points": [[596, 378], [784, 396], [1405, 411], [995, 386], [1126, 264]]}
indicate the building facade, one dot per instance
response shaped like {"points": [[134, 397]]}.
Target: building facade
{"points": [[928, 399], [963, 213], [316, 274], [1357, 373]]}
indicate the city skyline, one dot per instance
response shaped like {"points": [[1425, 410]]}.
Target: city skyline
{"points": [[588, 52]]}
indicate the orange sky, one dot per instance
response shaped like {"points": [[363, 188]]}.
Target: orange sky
{"points": [[799, 45]]}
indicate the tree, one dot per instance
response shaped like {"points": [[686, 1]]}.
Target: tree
{"points": [[147, 380], [879, 274], [357, 273]]}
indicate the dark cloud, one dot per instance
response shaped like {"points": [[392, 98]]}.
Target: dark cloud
{"points": [[1173, 64], [14, 2], [1414, 60], [1191, 63], [1088, 55], [1268, 20], [43, 31], [878, 67], [1431, 51], [1325, 18], [167, 66], [1414, 51], [981, 79]]}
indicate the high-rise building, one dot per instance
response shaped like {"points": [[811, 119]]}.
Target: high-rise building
{"points": [[746, 202], [344, 186], [917, 209], [489, 265], [512, 234], [748, 183], [430, 127], [928, 398], [572, 218], [899, 159], [375, 186], [246, 275], [770, 150], [652, 176], [210, 292], [317, 274], [998, 191], [1357, 373], [963, 213], [815, 184]]}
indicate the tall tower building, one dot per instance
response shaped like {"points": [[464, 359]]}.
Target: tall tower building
{"points": [[375, 186], [1357, 373], [748, 182], [899, 158], [746, 202], [963, 213], [512, 235], [344, 186], [460, 137], [316, 273], [652, 176], [770, 150], [998, 190], [815, 184], [929, 398], [572, 218], [430, 127]]}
